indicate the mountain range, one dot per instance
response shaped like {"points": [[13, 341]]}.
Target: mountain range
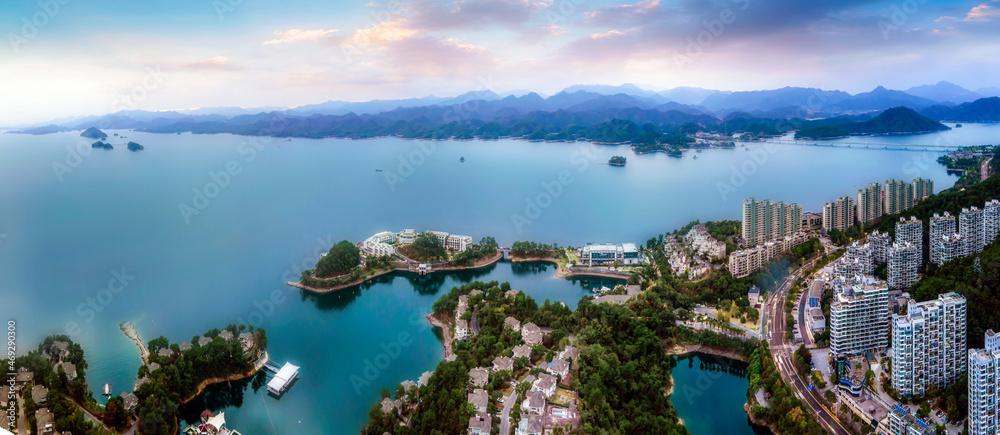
{"points": [[588, 104]]}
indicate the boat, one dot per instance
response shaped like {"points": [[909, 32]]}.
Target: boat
{"points": [[696, 157], [106, 390], [462, 159], [958, 125], [378, 170], [211, 425]]}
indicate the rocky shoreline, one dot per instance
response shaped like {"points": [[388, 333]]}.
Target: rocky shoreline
{"points": [[129, 329], [396, 268], [685, 349], [445, 332]]}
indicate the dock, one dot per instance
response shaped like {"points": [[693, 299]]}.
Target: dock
{"points": [[282, 379]]}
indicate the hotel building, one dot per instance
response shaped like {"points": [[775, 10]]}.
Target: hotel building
{"points": [[928, 345], [607, 254]]}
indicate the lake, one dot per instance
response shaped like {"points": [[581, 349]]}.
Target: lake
{"points": [[709, 393], [200, 231]]}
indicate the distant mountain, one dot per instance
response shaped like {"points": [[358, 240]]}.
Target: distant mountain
{"points": [[374, 106], [897, 120], [229, 112], [767, 100], [689, 95], [944, 92], [879, 98], [991, 91], [45, 129], [627, 89], [981, 110]]}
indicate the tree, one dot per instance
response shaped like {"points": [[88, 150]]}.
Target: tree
{"points": [[114, 414], [342, 257], [925, 409]]}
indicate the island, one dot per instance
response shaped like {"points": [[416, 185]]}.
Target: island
{"points": [[102, 144], [617, 161], [132, 146], [348, 264], [94, 133], [898, 120]]}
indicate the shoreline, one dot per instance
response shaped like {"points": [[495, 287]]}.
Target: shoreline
{"points": [[129, 329], [233, 377], [395, 268], [445, 332], [685, 349]]}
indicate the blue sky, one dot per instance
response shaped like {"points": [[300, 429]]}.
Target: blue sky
{"points": [[74, 57]]}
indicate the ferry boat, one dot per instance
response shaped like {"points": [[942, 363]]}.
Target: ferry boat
{"points": [[211, 425], [106, 390], [462, 159]]}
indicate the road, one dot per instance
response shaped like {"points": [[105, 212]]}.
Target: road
{"points": [[475, 321], [805, 316], [508, 404], [782, 353]]}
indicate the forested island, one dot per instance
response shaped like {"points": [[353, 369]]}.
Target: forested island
{"points": [[617, 161], [132, 146], [102, 144], [94, 133], [898, 120]]}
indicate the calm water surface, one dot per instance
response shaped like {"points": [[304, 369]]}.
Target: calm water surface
{"points": [[205, 229]]}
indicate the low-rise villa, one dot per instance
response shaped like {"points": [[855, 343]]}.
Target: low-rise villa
{"points": [[503, 363], [531, 425], [533, 338], [479, 399], [545, 383], [388, 405], [461, 329], [569, 352], [38, 394], [512, 323], [523, 350], [479, 376], [534, 402], [226, 335], [67, 367], [425, 377], [165, 352], [480, 424], [204, 341], [559, 368]]}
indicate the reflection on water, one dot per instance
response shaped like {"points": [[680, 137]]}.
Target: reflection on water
{"points": [[220, 396]]}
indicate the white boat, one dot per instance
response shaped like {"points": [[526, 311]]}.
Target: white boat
{"points": [[107, 389], [211, 425]]}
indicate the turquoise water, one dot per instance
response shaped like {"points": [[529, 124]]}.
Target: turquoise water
{"points": [[709, 393], [205, 229]]}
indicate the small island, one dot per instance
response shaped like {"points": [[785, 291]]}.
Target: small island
{"points": [[898, 120], [102, 144], [94, 133], [132, 146], [617, 161]]}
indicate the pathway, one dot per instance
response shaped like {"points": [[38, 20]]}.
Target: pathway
{"points": [[508, 404]]}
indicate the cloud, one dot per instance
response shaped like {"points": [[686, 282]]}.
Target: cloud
{"points": [[474, 14], [607, 34], [983, 12], [293, 35], [211, 63]]}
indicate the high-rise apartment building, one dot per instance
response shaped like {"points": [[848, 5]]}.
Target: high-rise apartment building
{"points": [[940, 227], [859, 318], [922, 188], [946, 248], [984, 385], [765, 220], [970, 226], [839, 214], [991, 220], [928, 345], [880, 243], [870, 202], [858, 260], [911, 231], [904, 261], [897, 196]]}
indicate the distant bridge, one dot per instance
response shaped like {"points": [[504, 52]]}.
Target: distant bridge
{"points": [[872, 145]]}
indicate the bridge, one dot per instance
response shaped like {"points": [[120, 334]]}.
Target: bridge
{"points": [[872, 145]]}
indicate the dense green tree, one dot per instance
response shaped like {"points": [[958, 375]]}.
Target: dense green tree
{"points": [[343, 257]]}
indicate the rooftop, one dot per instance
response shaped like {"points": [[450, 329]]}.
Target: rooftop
{"points": [[479, 376]]}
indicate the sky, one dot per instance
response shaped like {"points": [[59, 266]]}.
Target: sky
{"points": [[65, 58]]}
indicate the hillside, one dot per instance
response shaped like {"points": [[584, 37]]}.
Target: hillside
{"points": [[981, 110], [898, 120]]}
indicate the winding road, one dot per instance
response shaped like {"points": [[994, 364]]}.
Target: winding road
{"points": [[782, 352]]}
